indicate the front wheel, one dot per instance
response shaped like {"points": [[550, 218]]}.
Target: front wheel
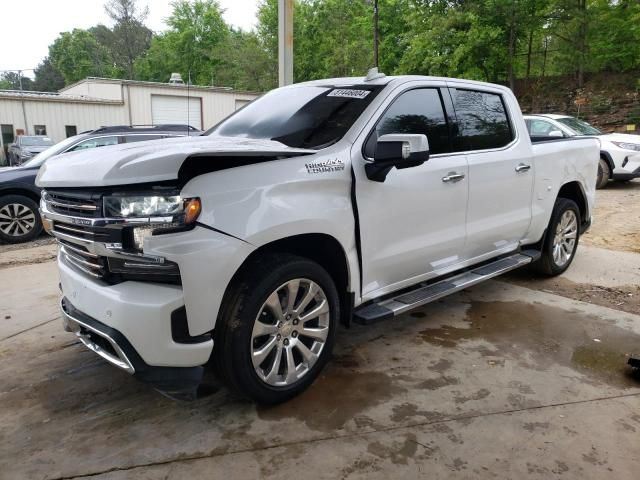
{"points": [[277, 328], [19, 219], [604, 172], [561, 239]]}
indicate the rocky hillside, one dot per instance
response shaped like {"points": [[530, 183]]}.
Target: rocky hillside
{"points": [[610, 101]]}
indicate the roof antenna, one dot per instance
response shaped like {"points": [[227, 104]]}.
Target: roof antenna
{"points": [[373, 74]]}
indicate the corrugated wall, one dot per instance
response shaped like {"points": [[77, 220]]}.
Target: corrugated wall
{"points": [[135, 109], [56, 115], [216, 105]]}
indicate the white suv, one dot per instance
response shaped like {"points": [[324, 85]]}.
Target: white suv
{"points": [[616, 149]]}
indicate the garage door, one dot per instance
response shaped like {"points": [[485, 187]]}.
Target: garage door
{"points": [[168, 109]]}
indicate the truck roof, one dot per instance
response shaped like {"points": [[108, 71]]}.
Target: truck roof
{"points": [[386, 80]]}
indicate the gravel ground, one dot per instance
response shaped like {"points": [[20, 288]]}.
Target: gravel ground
{"points": [[616, 220], [43, 239]]}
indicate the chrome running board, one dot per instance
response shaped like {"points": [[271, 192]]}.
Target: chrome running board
{"points": [[423, 294]]}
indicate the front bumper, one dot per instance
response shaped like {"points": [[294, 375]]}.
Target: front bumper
{"points": [[140, 311], [627, 167], [113, 346]]}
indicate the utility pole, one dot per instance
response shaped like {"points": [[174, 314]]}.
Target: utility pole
{"points": [[285, 42], [375, 33]]}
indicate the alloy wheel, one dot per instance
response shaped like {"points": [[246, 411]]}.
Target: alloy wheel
{"points": [[565, 238], [16, 220], [290, 332]]}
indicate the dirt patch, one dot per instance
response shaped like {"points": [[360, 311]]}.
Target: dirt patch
{"points": [[27, 253], [552, 335], [625, 297], [616, 219], [39, 242]]}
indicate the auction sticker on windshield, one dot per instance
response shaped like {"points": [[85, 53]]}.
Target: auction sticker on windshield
{"points": [[348, 93]]}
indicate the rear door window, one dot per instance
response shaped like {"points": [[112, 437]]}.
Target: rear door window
{"points": [[418, 111], [482, 121], [95, 143], [141, 138]]}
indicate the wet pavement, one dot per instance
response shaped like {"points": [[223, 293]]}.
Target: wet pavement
{"points": [[500, 381]]}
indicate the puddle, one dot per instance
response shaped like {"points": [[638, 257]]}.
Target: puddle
{"points": [[549, 335], [335, 397]]}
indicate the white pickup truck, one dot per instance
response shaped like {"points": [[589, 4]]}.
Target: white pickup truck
{"points": [[333, 201]]}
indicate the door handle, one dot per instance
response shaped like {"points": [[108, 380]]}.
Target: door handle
{"points": [[523, 168], [453, 177]]}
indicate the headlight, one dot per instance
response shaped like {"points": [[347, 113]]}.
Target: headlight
{"points": [[628, 146], [152, 214], [143, 206]]}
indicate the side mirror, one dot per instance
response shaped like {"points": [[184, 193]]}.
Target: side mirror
{"points": [[400, 150], [555, 133]]}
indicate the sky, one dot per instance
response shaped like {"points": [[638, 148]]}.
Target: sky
{"points": [[28, 27]]}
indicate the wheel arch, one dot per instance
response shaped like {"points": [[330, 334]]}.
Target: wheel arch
{"points": [[321, 248], [606, 156], [574, 191], [25, 192]]}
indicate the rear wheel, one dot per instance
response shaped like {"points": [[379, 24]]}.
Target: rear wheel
{"points": [[277, 328], [604, 172], [561, 238], [19, 219]]}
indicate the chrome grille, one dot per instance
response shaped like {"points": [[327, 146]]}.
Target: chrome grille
{"points": [[82, 259], [102, 248], [75, 204], [84, 232]]}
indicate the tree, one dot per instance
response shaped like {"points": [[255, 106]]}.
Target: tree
{"points": [[129, 38], [47, 77], [246, 64], [193, 43], [77, 55], [15, 81]]}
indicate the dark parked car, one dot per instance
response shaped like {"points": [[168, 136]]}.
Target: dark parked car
{"points": [[25, 147], [19, 196]]}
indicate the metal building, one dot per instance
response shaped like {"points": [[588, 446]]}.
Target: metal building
{"points": [[96, 102]]}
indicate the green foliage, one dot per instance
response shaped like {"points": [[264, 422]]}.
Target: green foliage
{"points": [[77, 55], [11, 81], [492, 40], [193, 44], [47, 77], [129, 38]]}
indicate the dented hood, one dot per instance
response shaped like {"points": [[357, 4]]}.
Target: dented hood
{"points": [[152, 161]]}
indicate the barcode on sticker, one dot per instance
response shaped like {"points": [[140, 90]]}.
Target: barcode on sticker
{"points": [[348, 93]]}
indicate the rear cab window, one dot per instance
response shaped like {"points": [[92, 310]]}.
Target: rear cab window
{"points": [[482, 120]]}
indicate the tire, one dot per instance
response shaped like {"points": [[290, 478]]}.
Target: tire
{"points": [[19, 219], [604, 172], [240, 336], [558, 251]]}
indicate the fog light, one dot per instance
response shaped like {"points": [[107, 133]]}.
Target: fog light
{"points": [[144, 231], [140, 233], [47, 225]]}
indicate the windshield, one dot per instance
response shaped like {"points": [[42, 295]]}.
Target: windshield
{"points": [[579, 127], [50, 152], [36, 141], [301, 117]]}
